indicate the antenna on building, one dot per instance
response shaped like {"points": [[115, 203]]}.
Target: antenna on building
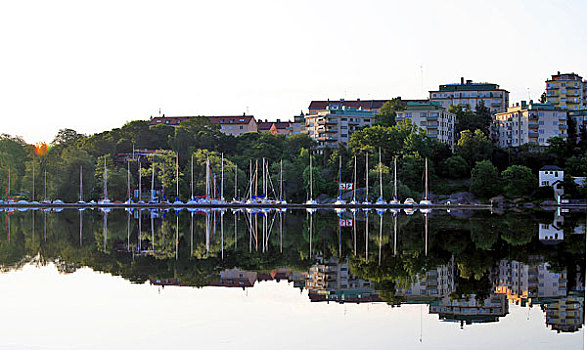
{"points": [[422, 79], [159, 111]]}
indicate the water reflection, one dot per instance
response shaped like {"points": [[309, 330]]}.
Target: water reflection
{"points": [[465, 267]]}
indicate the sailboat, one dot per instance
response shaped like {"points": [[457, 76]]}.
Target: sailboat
{"points": [[128, 193], [192, 200], [177, 201], [311, 201], [339, 200], [235, 198], [380, 200], [425, 201], [33, 194], [105, 200], [366, 202], [394, 201], [45, 200]]}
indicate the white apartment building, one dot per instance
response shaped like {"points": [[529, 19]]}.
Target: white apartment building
{"points": [[472, 94], [434, 119], [336, 123], [530, 123]]}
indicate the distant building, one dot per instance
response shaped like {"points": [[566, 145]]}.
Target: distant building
{"points": [[530, 123], [229, 125], [235, 278], [567, 91], [432, 118], [520, 282], [435, 283], [336, 123], [361, 105], [276, 128], [552, 233], [471, 94], [580, 119]]}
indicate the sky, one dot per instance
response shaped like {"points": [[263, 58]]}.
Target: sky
{"points": [[93, 66]]}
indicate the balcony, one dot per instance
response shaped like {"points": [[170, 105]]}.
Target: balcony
{"points": [[563, 126], [326, 122], [331, 131], [533, 125], [532, 134], [430, 117], [432, 126]]}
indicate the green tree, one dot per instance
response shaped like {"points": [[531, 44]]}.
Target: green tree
{"points": [[456, 167], [519, 181], [387, 112], [484, 181], [473, 146]]}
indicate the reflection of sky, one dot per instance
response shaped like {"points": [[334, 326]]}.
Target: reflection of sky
{"points": [[41, 308]]}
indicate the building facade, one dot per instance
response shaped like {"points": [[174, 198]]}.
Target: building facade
{"points": [[436, 122], [358, 104], [336, 123], [567, 91], [229, 125], [467, 93], [530, 123]]}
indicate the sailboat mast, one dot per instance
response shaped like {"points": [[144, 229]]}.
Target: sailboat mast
{"points": [[127, 180], [264, 182], [177, 176], [380, 176], [105, 180], [8, 181], [281, 180], [339, 176], [367, 176], [222, 179], [235, 182], [45, 186], [192, 178], [207, 178], [140, 180], [81, 190], [33, 196], [250, 178], [153, 179], [256, 177], [311, 190], [355, 179], [426, 178], [395, 178]]}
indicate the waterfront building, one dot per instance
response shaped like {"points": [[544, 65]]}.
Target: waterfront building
{"points": [[336, 123], [229, 125], [467, 93], [331, 280], [552, 176], [567, 91], [431, 117], [530, 123], [469, 310], [235, 278]]}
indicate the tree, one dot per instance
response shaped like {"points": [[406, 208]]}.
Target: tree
{"points": [[387, 112], [484, 180], [466, 119], [484, 117], [456, 167], [473, 146], [66, 137], [519, 181]]}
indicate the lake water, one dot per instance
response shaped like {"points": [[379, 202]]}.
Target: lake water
{"points": [[292, 279]]}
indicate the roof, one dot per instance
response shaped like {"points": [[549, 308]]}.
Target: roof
{"points": [[469, 86], [551, 167], [237, 119], [264, 126], [358, 104]]}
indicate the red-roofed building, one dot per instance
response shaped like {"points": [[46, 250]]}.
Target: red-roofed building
{"points": [[229, 125], [358, 104], [276, 128]]}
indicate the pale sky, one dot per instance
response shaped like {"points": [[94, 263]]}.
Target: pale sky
{"points": [[92, 66]]}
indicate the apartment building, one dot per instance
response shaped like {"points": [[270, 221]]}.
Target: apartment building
{"points": [[358, 104], [437, 283], [566, 314], [431, 117], [567, 91], [229, 125], [530, 123], [469, 310], [336, 123], [468, 93]]}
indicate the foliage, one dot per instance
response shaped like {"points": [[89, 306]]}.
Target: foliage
{"points": [[473, 146], [484, 180], [519, 181]]}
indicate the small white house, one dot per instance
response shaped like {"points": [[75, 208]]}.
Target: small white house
{"points": [[552, 175]]}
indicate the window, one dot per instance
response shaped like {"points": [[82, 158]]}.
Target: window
{"points": [[241, 127], [343, 119], [343, 127], [344, 135]]}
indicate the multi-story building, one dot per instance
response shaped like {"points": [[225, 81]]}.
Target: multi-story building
{"points": [[363, 105], [435, 283], [521, 282], [566, 314], [432, 118], [468, 310], [229, 125], [567, 91], [580, 119], [530, 123], [336, 123], [471, 94], [332, 281]]}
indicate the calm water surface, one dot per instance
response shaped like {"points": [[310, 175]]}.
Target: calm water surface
{"points": [[227, 279]]}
